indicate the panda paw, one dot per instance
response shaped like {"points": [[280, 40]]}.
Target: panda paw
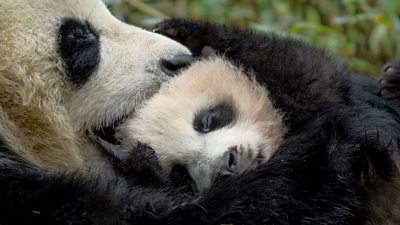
{"points": [[389, 81], [176, 28], [139, 166], [189, 33]]}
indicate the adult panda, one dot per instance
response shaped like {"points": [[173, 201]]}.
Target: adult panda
{"points": [[69, 71]]}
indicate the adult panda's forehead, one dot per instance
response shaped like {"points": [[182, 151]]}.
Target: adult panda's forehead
{"points": [[86, 9], [43, 12]]}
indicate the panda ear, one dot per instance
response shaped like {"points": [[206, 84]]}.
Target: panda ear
{"points": [[208, 51]]}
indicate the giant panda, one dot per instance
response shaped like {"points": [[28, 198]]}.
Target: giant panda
{"points": [[211, 121], [70, 73]]}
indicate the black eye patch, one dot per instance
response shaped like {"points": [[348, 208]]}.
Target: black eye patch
{"points": [[214, 118], [79, 47]]}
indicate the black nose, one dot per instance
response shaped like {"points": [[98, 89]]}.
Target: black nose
{"points": [[230, 163], [171, 67]]}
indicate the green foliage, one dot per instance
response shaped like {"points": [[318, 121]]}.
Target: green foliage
{"points": [[365, 33]]}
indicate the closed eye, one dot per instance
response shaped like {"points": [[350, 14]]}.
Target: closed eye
{"points": [[214, 118]]}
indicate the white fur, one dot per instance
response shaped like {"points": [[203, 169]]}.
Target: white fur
{"points": [[166, 121]]}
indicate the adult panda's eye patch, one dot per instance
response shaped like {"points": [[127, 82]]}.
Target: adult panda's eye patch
{"points": [[79, 47], [214, 118]]}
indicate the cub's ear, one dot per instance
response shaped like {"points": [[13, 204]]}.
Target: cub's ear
{"points": [[208, 51], [139, 165]]}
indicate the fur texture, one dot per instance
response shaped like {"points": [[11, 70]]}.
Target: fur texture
{"points": [[340, 150]]}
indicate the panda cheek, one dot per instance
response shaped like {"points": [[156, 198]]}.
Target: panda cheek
{"points": [[79, 48]]}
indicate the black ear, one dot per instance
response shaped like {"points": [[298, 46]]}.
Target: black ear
{"points": [[139, 165]]}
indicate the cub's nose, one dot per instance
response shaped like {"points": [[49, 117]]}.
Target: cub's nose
{"points": [[171, 67], [230, 163]]}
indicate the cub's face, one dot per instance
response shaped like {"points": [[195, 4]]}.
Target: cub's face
{"points": [[68, 69], [211, 120]]}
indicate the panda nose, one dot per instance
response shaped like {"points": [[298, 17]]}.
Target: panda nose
{"points": [[171, 67], [230, 163]]}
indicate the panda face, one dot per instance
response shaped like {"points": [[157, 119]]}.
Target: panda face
{"points": [[211, 121], [78, 69]]}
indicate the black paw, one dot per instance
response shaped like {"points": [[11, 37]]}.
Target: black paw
{"points": [[139, 166], [389, 81], [189, 33], [177, 28]]}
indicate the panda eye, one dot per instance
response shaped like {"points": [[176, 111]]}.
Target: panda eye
{"points": [[79, 48], [79, 34], [214, 118]]}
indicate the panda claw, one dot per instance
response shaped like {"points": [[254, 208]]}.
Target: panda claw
{"points": [[172, 32]]}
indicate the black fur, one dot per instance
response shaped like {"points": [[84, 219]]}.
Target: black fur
{"points": [[79, 47], [319, 176], [343, 137], [31, 196]]}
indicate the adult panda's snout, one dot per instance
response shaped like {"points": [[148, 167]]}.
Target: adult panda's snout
{"points": [[171, 67]]}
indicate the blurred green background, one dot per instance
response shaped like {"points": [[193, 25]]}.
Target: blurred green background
{"points": [[365, 33]]}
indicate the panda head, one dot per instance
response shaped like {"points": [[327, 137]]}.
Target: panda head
{"points": [[70, 70], [211, 120]]}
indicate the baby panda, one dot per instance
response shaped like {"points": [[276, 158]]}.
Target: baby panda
{"points": [[211, 121]]}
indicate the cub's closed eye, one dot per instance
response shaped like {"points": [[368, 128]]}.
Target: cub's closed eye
{"points": [[79, 47], [214, 118]]}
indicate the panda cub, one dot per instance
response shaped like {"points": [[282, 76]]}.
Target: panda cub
{"points": [[212, 121]]}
